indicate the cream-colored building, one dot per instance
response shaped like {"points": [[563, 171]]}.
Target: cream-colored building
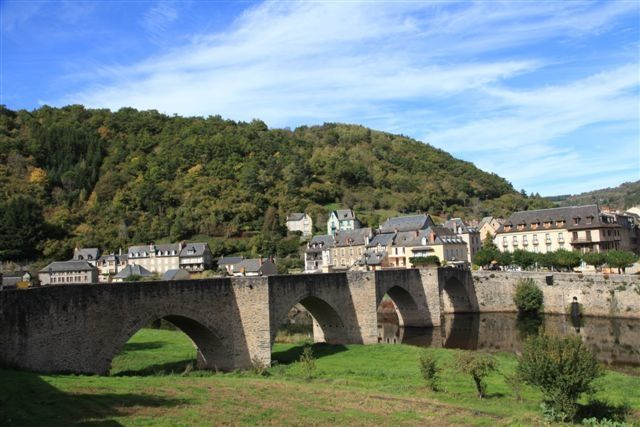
{"points": [[581, 228], [349, 247], [300, 222], [489, 225], [156, 258], [68, 273]]}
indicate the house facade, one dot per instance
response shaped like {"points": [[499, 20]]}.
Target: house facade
{"points": [[156, 258], [300, 222], [317, 256], [91, 255], [489, 225], [580, 228], [471, 235], [68, 273], [196, 257], [342, 220], [110, 265], [255, 267], [349, 246]]}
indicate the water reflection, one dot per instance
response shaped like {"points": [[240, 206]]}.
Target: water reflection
{"points": [[615, 341]]}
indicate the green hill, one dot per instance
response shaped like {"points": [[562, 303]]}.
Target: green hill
{"points": [[74, 176], [621, 197]]}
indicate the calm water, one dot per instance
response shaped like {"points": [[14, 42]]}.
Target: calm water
{"points": [[615, 341]]}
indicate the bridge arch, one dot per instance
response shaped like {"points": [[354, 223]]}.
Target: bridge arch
{"points": [[406, 291], [328, 325], [457, 293], [211, 351], [407, 309]]}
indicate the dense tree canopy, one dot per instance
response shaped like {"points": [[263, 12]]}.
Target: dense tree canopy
{"points": [[110, 179]]}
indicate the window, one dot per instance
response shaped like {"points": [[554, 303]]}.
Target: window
{"points": [[504, 241], [576, 220]]}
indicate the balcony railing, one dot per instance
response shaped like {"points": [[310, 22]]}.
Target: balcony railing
{"points": [[577, 240]]}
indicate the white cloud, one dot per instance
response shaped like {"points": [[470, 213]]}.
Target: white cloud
{"points": [[424, 69]]}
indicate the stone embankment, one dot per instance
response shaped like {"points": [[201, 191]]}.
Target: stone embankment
{"points": [[604, 295]]}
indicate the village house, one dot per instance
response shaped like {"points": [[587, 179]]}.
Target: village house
{"points": [[580, 228], [16, 280], [176, 275], [407, 223], [470, 235], [68, 272], [196, 257], [349, 246], [489, 226], [110, 265], [255, 267], [156, 258], [342, 220], [317, 256], [409, 244], [449, 247], [300, 222], [91, 255], [131, 270], [225, 264]]}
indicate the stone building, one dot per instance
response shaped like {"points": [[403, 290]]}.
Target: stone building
{"points": [[156, 258], [255, 267], [300, 222], [471, 235], [581, 228], [317, 256], [91, 255], [68, 273], [349, 247], [196, 257]]}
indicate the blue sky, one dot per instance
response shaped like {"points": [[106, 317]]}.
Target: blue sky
{"points": [[545, 94]]}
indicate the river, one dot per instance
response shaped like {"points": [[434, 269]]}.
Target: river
{"points": [[615, 341]]}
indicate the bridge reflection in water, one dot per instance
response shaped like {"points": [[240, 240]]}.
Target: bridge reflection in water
{"points": [[615, 341]]}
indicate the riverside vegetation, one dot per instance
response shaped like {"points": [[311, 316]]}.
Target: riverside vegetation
{"points": [[153, 382]]}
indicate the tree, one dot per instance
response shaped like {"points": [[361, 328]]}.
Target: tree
{"points": [[484, 256], [505, 258], [21, 228], [620, 259], [523, 259], [563, 368], [478, 365], [528, 297], [596, 259], [488, 243], [567, 259]]}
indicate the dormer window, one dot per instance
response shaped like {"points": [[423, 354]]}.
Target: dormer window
{"points": [[589, 219], [576, 220]]}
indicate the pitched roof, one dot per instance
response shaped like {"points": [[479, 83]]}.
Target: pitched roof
{"points": [[229, 260], [64, 266], [175, 274], [406, 223], [250, 265], [345, 214], [372, 258], [568, 215], [86, 253], [296, 216], [410, 238], [384, 239], [352, 237], [193, 249], [132, 270], [320, 243], [160, 250]]}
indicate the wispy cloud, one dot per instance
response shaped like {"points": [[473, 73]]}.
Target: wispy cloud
{"points": [[462, 76], [156, 20]]}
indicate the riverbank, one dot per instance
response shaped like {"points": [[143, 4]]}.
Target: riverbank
{"points": [[152, 384], [601, 295]]}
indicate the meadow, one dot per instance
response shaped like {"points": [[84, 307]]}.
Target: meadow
{"points": [[153, 382]]}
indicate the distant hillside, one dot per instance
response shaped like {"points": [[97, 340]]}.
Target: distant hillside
{"points": [[622, 197], [73, 176]]}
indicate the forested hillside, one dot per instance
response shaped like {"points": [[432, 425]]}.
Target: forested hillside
{"points": [[74, 176], [621, 197]]}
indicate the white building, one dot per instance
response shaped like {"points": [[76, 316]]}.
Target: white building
{"points": [[342, 220], [300, 222]]}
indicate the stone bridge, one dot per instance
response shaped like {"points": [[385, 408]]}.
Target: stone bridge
{"points": [[232, 321]]}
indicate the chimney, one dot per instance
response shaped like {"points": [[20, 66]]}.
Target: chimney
{"points": [[432, 237], [181, 245], [417, 233], [120, 251], [261, 260]]}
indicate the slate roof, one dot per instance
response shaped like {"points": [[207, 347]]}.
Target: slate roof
{"points": [[385, 239], [175, 274], [86, 253], [193, 250], [352, 237], [406, 223], [229, 260], [410, 238], [372, 258], [250, 265], [132, 270], [160, 250], [456, 224], [443, 235], [345, 214], [567, 214], [320, 243], [64, 266], [296, 216]]}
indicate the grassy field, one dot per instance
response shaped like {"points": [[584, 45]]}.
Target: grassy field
{"points": [[152, 383]]}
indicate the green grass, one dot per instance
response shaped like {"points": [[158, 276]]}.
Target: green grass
{"points": [[352, 385]]}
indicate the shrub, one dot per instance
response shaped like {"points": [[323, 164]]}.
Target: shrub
{"points": [[562, 368], [419, 261], [528, 297], [429, 370], [308, 363], [478, 365]]}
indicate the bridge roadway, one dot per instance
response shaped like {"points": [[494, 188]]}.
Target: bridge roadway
{"points": [[231, 321]]}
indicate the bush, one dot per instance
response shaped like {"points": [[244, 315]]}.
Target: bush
{"points": [[431, 260], [478, 365], [308, 363], [528, 297], [429, 370], [562, 368]]}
